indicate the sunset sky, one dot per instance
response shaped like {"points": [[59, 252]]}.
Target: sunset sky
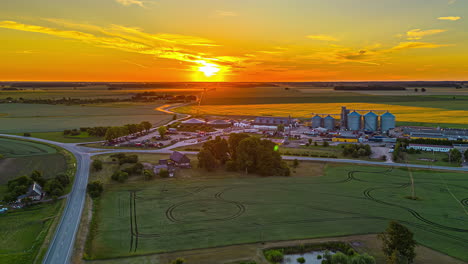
{"points": [[233, 40]]}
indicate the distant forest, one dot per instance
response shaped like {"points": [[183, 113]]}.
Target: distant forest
{"points": [[369, 88]]}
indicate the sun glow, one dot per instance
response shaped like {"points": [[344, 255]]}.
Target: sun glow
{"points": [[208, 69]]}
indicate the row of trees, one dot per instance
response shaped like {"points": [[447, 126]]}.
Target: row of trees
{"points": [[357, 150], [121, 131], [244, 153]]}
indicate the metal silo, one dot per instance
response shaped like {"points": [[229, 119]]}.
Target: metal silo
{"points": [[370, 121], [329, 123], [316, 121], [354, 121], [387, 121]]}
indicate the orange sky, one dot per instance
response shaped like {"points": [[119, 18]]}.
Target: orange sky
{"points": [[213, 40]]}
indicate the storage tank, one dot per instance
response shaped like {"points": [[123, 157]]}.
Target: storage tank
{"points": [[370, 121], [354, 121], [387, 121], [329, 123], [316, 121]]}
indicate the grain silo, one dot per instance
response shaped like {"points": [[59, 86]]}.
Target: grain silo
{"points": [[370, 121], [387, 121], [316, 121], [329, 123], [354, 121]]}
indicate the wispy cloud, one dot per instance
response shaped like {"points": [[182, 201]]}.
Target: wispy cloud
{"points": [[130, 2], [168, 46], [451, 2], [417, 45], [451, 18], [417, 34], [322, 37], [224, 13]]}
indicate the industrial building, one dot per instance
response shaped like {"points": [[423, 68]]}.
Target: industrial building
{"points": [[353, 120], [435, 148]]}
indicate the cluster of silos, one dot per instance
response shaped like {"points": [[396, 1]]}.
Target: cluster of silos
{"points": [[327, 122], [371, 121]]}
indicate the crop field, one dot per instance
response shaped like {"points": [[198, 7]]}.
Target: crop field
{"points": [[23, 231], [225, 208], [23, 157], [48, 118], [403, 113]]}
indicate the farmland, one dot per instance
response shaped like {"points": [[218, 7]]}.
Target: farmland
{"points": [[403, 113], [200, 209], [23, 157], [48, 118], [23, 231]]}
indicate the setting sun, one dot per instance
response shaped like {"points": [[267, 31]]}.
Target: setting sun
{"points": [[209, 69]]}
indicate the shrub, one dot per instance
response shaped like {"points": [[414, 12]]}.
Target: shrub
{"points": [[120, 176], [301, 260], [231, 165], [97, 165], [164, 173], [27, 134], [95, 189], [274, 255]]}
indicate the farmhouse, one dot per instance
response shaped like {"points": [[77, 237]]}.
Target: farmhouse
{"points": [[435, 148], [35, 193], [219, 123], [180, 160]]}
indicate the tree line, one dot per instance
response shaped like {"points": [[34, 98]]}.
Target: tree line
{"points": [[245, 153]]}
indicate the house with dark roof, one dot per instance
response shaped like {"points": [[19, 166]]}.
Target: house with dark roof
{"points": [[35, 193], [180, 160]]}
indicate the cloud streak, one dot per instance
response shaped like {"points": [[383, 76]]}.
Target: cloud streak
{"points": [[130, 2], [417, 34], [450, 18], [322, 37]]}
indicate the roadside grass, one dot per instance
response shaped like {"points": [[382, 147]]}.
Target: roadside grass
{"points": [[199, 209], [60, 137]]}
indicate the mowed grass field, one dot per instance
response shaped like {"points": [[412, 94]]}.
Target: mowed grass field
{"points": [[23, 231], [403, 113], [19, 118], [201, 210], [23, 157]]}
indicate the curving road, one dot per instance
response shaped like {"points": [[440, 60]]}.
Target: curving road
{"points": [[62, 245]]}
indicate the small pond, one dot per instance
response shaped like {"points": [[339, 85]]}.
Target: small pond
{"points": [[310, 257]]}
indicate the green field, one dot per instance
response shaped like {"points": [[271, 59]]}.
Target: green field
{"points": [[200, 210], [21, 118], [426, 158], [23, 157], [23, 231]]}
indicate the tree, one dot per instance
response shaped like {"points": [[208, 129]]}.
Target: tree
{"points": [[95, 189], [416, 90], [27, 134], [63, 179], [301, 260], [149, 174], [54, 188], [310, 141], [423, 90], [37, 177], [162, 130], [465, 154], [233, 142], [120, 176], [326, 144], [207, 160], [398, 242], [146, 125], [219, 148], [455, 156], [274, 255], [315, 143], [97, 165]]}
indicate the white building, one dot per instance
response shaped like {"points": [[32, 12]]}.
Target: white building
{"points": [[435, 148]]}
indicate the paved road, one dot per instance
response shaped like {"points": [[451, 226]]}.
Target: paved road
{"points": [[61, 247]]}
